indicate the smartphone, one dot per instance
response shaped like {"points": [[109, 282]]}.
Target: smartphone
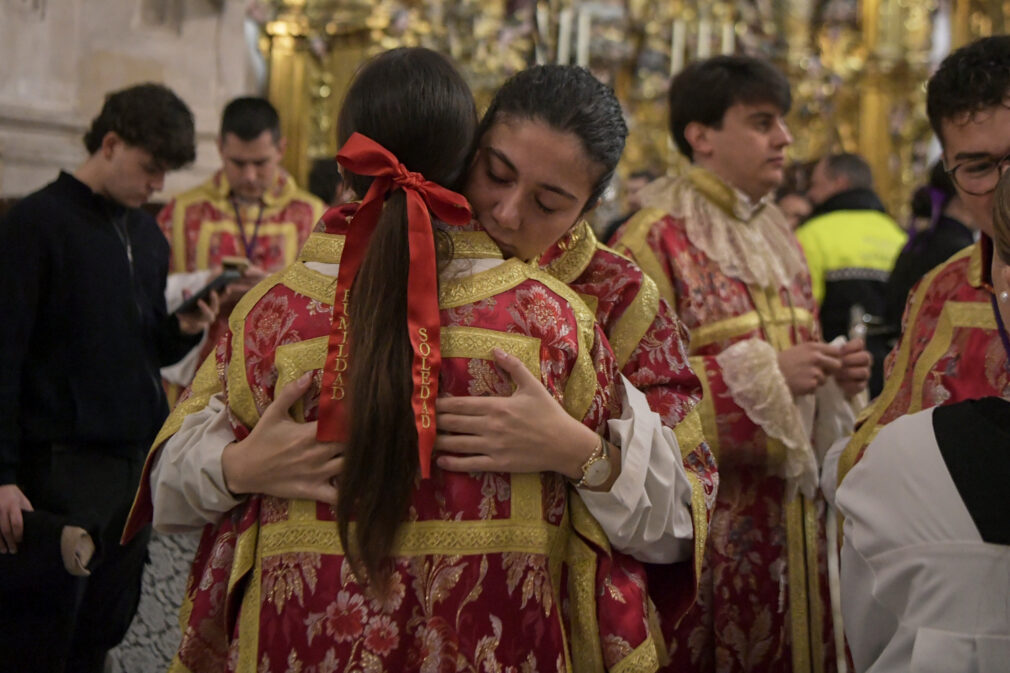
{"points": [[229, 275], [235, 262]]}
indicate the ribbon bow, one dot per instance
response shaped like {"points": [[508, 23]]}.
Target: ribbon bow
{"points": [[364, 156]]}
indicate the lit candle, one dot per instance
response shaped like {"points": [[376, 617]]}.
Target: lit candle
{"points": [[677, 43], [543, 26], [582, 44], [564, 36], [704, 38], [728, 38]]}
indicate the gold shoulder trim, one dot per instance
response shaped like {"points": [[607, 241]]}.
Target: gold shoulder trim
{"points": [[322, 247], [473, 245], [310, 283], [634, 244], [713, 189], [470, 289], [581, 386], [635, 322], [975, 270], [576, 254]]}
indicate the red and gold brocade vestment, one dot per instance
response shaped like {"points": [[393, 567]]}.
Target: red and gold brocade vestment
{"points": [[491, 571], [649, 343], [949, 350], [205, 224], [763, 601]]}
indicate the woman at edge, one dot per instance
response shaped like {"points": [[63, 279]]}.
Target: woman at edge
{"points": [[399, 597]]}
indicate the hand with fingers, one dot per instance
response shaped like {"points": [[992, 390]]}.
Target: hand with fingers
{"points": [[528, 431], [12, 528], [853, 374], [808, 365], [251, 275], [281, 457], [197, 321]]}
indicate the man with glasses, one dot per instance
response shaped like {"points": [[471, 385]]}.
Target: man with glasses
{"points": [[950, 349]]}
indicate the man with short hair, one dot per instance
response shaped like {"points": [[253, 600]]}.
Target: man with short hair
{"points": [[251, 208], [725, 258], [950, 349], [85, 331], [850, 244]]}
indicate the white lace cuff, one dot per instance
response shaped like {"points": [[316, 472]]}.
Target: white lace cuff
{"points": [[750, 369]]}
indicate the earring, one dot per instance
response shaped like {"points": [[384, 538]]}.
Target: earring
{"points": [[1004, 297]]}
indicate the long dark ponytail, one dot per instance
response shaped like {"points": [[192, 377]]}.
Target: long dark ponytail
{"points": [[414, 103]]}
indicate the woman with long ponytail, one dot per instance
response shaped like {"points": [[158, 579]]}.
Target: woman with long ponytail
{"points": [[395, 300]]}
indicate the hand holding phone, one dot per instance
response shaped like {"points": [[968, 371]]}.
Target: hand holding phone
{"points": [[217, 284]]}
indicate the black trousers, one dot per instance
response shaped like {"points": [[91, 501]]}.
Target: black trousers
{"points": [[59, 623]]}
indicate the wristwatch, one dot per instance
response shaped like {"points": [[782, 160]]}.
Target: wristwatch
{"points": [[596, 470]]}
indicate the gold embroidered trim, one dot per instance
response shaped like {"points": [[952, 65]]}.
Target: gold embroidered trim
{"points": [[643, 659], [249, 624], [955, 314], [634, 243], [478, 342], [975, 270], [811, 529], [724, 330], [635, 322], [471, 289], [293, 360], [578, 249], [699, 514], [473, 245], [689, 433], [586, 651], [286, 230], [706, 408], [417, 538], [591, 301], [322, 247], [796, 561], [205, 385], [310, 283]]}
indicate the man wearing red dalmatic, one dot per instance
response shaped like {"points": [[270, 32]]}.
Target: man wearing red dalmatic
{"points": [[251, 208], [950, 349], [725, 259]]}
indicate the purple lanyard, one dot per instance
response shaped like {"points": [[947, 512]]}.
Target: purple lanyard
{"points": [[247, 243], [1002, 329]]}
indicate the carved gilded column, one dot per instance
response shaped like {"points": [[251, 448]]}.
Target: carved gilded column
{"points": [[313, 48]]}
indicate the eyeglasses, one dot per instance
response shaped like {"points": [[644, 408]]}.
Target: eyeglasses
{"points": [[979, 177]]}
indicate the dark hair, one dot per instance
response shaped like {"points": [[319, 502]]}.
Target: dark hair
{"points": [[325, 179], [973, 78], [570, 100], [151, 117], [704, 90], [929, 200], [852, 166], [413, 102], [1001, 218], [248, 117]]}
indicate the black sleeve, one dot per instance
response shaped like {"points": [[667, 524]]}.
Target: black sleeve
{"points": [[22, 269]]}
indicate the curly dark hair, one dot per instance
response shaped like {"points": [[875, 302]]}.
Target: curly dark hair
{"points": [[151, 117], [973, 78], [569, 99], [704, 90]]}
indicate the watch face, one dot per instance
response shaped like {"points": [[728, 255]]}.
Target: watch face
{"points": [[598, 472]]}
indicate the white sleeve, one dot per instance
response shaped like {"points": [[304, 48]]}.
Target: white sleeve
{"points": [[647, 512], [187, 482], [182, 372]]}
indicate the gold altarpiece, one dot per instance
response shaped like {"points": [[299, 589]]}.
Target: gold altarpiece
{"points": [[857, 68]]}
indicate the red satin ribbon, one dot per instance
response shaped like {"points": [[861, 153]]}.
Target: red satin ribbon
{"points": [[364, 156]]}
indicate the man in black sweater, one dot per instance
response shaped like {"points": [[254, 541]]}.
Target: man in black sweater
{"points": [[83, 335]]}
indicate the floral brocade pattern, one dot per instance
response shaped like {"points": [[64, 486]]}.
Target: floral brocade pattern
{"points": [[742, 620], [477, 577]]}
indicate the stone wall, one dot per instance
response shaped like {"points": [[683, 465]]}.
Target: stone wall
{"points": [[58, 58]]}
